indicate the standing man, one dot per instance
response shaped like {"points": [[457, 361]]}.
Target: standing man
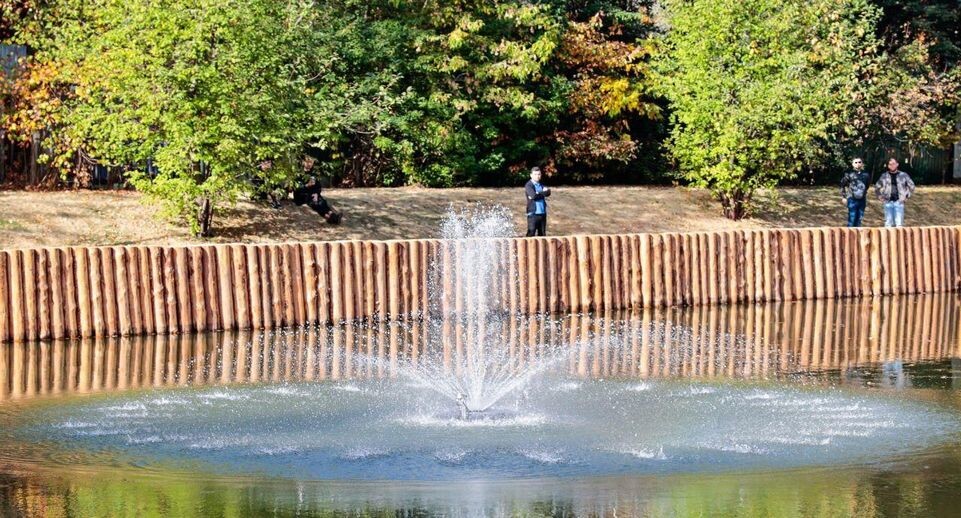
{"points": [[854, 192], [892, 189], [536, 204]]}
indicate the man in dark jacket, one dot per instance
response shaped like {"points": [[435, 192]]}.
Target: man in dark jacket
{"points": [[310, 195], [854, 192], [893, 188], [536, 204]]}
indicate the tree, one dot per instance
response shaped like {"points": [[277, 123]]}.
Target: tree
{"points": [[206, 89], [757, 87]]}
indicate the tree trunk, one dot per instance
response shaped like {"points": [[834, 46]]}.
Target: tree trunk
{"points": [[734, 204], [205, 216]]}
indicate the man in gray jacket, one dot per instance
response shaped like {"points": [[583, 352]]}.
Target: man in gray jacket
{"points": [[893, 188]]}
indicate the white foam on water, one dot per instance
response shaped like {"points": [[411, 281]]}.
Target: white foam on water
{"points": [[644, 453], [697, 391], [224, 395], [736, 447], [277, 450], [350, 387], [639, 387], [451, 456], [521, 421], [149, 439], [797, 441], [362, 453], [543, 456], [567, 386]]}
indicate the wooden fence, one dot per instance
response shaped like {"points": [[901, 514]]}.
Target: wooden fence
{"points": [[105, 291]]}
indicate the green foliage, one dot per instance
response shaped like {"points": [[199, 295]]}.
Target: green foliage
{"points": [[758, 87]]}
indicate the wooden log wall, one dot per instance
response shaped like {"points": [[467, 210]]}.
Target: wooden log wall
{"points": [[53, 293]]}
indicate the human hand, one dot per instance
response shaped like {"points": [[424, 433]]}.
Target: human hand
{"points": [[844, 200]]}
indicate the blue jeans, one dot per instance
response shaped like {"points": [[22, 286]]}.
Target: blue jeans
{"points": [[856, 211], [893, 214]]}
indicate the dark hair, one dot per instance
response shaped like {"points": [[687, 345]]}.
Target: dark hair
{"points": [[892, 158]]}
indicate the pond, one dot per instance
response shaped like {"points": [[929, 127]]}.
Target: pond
{"points": [[814, 408]]}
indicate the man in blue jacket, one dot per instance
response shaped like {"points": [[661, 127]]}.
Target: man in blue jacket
{"points": [[536, 204]]}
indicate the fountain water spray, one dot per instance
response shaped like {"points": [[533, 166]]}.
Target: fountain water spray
{"points": [[476, 366]]}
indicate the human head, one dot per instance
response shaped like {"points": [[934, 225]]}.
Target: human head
{"points": [[858, 164], [893, 164], [536, 174]]}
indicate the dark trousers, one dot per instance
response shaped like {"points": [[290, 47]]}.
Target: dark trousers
{"points": [[856, 211], [536, 225]]}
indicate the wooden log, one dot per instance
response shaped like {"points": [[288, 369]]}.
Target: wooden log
{"points": [[523, 276], [776, 263], [695, 254], [597, 272], [712, 279], [616, 274], [393, 280], [864, 252], [605, 296], [274, 286], [876, 267], [71, 315], [884, 255], [124, 318], [646, 253], [253, 288], [322, 257], [797, 265], [225, 287], [309, 262], [403, 259], [6, 304], [370, 285], [110, 309], [297, 283], [735, 266], [584, 273], [668, 268], [44, 296], [751, 263], [937, 271], [357, 254], [926, 262], [28, 259], [170, 290], [239, 283], [97, 292], [155, 289], [894, 260], [381, 259], [414, 268], [913, 263], [198, 295], [657, 269], [828, 236], [766, 265], [336, 283], [723, 270], [287, 284], [807, 267], [543, 275], [820, 263], [573, 275], [636, 283], [183, 301]]}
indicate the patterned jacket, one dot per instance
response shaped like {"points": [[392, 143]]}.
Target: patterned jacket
{"points": [[883, 187], [851, 179]]}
